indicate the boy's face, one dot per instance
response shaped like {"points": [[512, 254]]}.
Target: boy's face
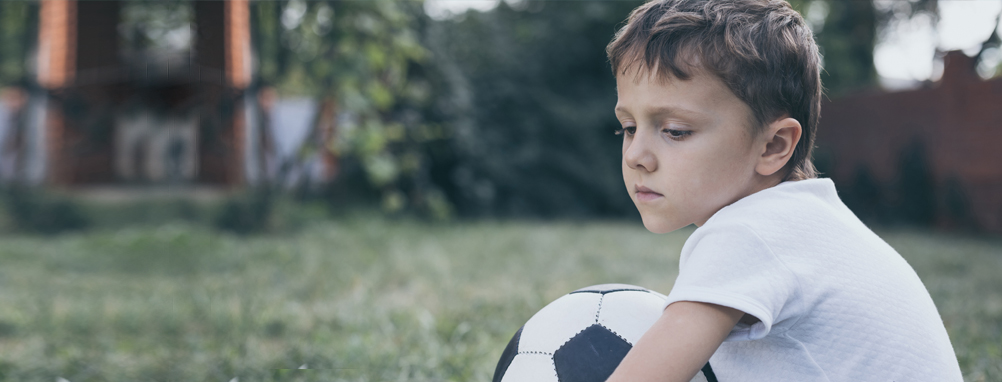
{"points": [[688, 148]]}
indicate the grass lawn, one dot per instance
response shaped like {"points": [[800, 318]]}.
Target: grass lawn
{"points": [[367, 299]]}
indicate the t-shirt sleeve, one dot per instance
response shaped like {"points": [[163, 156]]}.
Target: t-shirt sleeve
{"points": [[732, 266]]}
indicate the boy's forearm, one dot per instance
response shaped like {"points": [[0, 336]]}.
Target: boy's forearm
{"points": [[678, 344]]}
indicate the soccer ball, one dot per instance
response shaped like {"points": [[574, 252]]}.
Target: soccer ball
{"points": [[582, 336]]}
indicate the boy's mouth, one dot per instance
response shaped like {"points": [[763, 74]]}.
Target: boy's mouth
{"points": [[645, 194]]}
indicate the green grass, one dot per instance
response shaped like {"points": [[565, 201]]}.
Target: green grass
{"points": [[366, 299]]}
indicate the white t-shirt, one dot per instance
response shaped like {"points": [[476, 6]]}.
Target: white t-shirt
{"points": [[835, 302]]}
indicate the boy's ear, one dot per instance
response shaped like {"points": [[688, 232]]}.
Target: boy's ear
{"points": [[780, 138]]}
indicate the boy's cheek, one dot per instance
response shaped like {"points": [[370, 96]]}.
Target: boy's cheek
{"points": [[628, 178]]}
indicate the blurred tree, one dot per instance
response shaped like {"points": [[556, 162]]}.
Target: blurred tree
{"points": [[989, 57], [164, 25], [847, 31], [847, 40], [358, 57], [530, 96], [18, 26]]}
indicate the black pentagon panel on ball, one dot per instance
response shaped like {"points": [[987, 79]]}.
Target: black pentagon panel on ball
{"points": [[507, 356], [708, 373], [590, 356]]}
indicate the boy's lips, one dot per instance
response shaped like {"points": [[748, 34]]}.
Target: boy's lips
{"points": [[645, 194]]}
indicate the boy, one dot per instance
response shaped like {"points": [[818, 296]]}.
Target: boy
{"points": [[718, 102]]}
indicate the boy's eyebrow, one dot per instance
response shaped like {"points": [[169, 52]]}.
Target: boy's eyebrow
{"points": [[667, 110]]}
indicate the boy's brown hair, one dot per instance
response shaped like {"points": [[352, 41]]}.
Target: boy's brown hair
{"points": [[761, 49]]}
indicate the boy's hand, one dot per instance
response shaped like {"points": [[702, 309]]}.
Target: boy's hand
{"points": [[678, 344]]}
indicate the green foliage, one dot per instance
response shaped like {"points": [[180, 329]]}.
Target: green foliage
{"points": [[18, 24], [847, 32], [358, 55], [125, 214], [250, 212], [530, 95], [34, 210], [846, 41], [156, 26], [367, 298], [263, 210]]}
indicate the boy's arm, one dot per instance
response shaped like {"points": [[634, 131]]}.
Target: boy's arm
{"points": [[678, 344]]}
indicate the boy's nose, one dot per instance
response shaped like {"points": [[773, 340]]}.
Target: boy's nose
{"points": [[638, 156]]}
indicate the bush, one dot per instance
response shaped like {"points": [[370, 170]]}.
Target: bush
{"points": [[250, 212], [916, 188], [34, 210]]}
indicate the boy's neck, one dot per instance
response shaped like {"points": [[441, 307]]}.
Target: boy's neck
{"points": [[758, 183]]}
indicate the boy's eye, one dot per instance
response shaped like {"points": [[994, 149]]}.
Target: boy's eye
{"points": [[677, 135], [628, 130]]}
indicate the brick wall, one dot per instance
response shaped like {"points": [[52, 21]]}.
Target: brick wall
{"points": [[958, 123]]}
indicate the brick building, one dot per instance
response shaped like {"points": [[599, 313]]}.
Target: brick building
{"points": [[949, 133], [105, 115]]}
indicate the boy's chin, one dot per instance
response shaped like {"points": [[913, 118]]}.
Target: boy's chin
{"points": [[661, 225]]}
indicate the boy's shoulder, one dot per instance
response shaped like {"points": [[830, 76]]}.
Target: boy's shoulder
{"points": [[798, 219], [807, 204]]}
